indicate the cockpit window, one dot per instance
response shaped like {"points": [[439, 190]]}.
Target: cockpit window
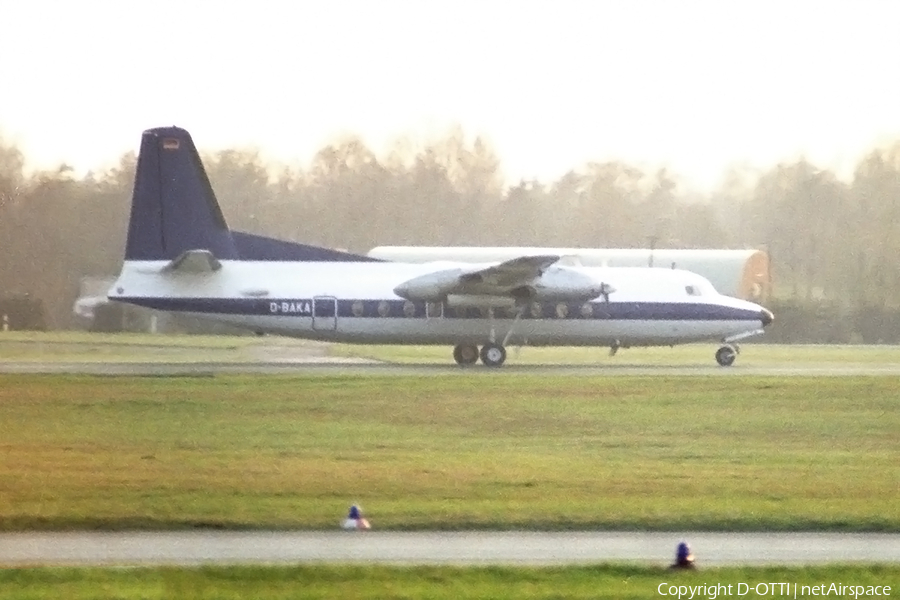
{"points": [[692, 290]]}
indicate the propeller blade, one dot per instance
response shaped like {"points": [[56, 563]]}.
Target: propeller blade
{"points": [[606, 290]]}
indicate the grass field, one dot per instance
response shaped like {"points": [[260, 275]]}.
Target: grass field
{"points": [[452, 452], [79, 346], [602, 581]]}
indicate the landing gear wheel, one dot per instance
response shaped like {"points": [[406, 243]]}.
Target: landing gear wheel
{"points": [[465, 354], [493, 355], [725, 356]]}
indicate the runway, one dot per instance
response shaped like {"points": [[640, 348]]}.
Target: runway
{"points": [[460, 548], [352, 367], [183, 356]]}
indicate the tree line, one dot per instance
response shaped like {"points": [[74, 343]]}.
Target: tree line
{"points": [[830, 241]]}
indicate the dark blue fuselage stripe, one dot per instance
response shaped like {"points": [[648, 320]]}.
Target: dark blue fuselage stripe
{"points": [[325, 307]]}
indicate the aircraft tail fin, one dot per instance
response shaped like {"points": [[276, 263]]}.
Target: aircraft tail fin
{"points": [[174, 212], [173, 208]]}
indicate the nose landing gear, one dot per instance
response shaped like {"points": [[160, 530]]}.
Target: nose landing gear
{"points": [[725, 355]]}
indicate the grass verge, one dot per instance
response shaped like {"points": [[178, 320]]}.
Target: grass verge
{"points": [[450, 452], [602, 581], [80, 346]]}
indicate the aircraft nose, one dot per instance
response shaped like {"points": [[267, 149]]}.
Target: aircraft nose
{"points": [[766, 317]]}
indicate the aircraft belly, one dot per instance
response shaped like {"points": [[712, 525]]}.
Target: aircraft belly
{"points": [[532, 332]]}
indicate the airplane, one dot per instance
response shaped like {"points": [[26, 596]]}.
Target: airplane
{"points": [[181, 256]]}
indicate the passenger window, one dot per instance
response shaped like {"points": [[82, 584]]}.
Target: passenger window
{"points": [[434, 309]]}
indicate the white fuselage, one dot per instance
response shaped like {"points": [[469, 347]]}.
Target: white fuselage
{"points": [[355, 302]]}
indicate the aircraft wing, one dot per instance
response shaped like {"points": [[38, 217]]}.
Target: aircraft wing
{"points": [[511, 279], [511, 273]]}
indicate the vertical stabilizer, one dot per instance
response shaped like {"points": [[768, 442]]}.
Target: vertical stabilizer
{"points": [[173, 207]]}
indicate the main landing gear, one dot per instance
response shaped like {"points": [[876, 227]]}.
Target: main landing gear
{"points": [[465, 354], [492, 354]]}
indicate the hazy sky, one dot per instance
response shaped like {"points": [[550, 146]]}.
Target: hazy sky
{"points": [[691, 85]]}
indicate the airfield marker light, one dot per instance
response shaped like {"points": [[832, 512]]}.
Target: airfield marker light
{"points": [[684, 558], [355, 520]]}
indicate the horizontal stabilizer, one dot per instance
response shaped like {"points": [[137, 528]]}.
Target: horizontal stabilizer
{"points": [[194, 261]]}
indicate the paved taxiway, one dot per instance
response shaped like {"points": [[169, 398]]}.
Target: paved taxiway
{"points": [[351, 367], [344, 368], [273, 355], [218, 547]]}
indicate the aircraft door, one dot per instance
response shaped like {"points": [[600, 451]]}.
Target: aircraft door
{"points": [[324, 313]]}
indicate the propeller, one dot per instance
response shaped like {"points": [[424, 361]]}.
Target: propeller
{"points": [[606, 290]]}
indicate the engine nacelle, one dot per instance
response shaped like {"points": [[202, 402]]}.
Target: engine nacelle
{"points": [[432, 287], [561, 284]]}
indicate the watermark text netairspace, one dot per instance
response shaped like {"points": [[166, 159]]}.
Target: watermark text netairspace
{"points": [[711, 591]]}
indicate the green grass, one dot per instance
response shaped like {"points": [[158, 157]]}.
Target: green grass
{"points": [[124, 339], [79, 346], [452, 452], [602, 581]]}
